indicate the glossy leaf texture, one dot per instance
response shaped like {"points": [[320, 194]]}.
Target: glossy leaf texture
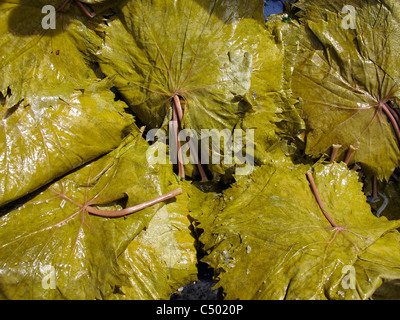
{"points": [[38, 145], [217, 56], [271, 240], [52, 229], [70, 146], [41, 65], [163, 257], [346, 69]]}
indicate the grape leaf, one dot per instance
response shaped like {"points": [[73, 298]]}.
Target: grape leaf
{"points": [[39, 145], [216, 56], [41, 65], [378, 266], [53, 230], [347, 77], [162, 258], [199, 51], [271, 240]]}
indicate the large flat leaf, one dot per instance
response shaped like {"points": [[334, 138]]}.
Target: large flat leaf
{"points": [[345, 75], [41, 65], [271, 240], [200, 50], [39, 145], [216, 55], [54, 231], [162, 258]]}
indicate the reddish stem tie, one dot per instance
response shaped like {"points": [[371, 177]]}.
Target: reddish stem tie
{"points": [[126, 211]]}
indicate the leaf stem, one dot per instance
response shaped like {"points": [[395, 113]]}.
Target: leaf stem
{"points": [[178, 107], [398, 112], [395, 125], [335, 150], [181, 169], [319, 201], [179, 112], [374, 188], [80, 5], [63, 5], [395, 115], [85, 11], [126, 211], [349, 153], [198, 162]]}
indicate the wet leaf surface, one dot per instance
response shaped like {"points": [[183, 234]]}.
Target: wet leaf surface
{"points": [[270, 242], [40, 145], [54, 228], [343, 76]]}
